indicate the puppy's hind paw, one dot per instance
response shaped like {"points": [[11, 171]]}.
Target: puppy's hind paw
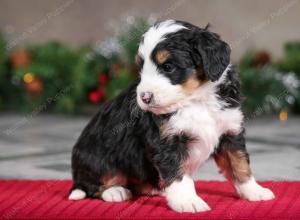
{"points": [[116, 194], [77, 194]]}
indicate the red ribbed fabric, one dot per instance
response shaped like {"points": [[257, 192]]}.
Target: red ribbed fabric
{"points": [[24, 199]]}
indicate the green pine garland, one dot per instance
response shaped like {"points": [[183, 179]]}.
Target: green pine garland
{"points": [[75, 78], [263, 88]]}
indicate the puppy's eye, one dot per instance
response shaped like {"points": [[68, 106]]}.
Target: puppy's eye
{"points": [[168, 67]]}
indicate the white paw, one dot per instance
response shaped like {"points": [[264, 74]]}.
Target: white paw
{"points": [[187, 203], [252, 191], [116, 194], [77, 194], [260, 193]]}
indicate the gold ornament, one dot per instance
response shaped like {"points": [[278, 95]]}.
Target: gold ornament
{"points": [[28, 78]]}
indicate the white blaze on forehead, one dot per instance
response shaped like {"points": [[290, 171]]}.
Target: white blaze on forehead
{"points": [[156, 34]]}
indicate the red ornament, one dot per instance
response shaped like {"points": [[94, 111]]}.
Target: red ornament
{"points": [[20, 58], [35, 87], [103, 79], [261, 58], [96, 95]]}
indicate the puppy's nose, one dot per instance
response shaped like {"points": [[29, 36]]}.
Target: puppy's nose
{"points": [[146, 97]]}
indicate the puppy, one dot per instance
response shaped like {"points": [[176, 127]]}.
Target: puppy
{"points": [[185, 107]]}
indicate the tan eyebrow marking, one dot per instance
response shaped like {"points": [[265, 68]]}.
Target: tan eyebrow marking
{"points": [[192, 84], [162, 56]]}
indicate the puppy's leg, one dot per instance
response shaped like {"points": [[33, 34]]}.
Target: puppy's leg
{"points": [[233, 161], [179, 188]]}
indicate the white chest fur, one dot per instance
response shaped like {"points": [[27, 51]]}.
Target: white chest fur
{"points": [[205, 122]]}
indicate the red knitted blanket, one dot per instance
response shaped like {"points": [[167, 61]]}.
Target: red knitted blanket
{"points": [[23, 199]]}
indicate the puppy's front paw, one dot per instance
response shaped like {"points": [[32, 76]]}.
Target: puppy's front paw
{"points": [[116, 194], [187, 203], [258, 194], [252, 191]]}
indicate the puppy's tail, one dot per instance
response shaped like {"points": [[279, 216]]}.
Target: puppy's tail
{"points": [[77, 194]]}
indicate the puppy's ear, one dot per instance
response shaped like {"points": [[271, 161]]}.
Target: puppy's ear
{"points": [[213, 54]]}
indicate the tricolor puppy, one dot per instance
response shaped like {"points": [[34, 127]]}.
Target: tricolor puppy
{"points": [[185, 107]]}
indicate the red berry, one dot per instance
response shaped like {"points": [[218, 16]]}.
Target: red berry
{"points": [[94, 96]]}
